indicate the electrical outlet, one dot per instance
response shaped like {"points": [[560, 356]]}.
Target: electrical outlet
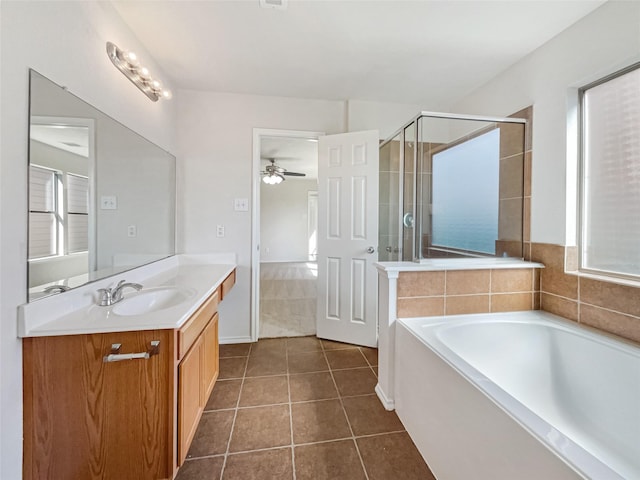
{"points": [[220, 231], [241, 204], [108, 202], [132, 231]]}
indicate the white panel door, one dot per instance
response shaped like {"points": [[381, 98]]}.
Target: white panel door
{"points": [[348, 237]]}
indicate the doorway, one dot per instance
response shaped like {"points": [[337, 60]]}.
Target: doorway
{"points": [[284, 226]]}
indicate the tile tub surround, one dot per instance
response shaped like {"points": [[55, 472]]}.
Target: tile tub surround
{"points": [[607, 306], [436, 287], [453, 292], [307, 410]]}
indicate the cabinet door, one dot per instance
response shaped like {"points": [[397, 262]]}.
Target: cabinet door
{"points": [[87, 419], [189, 397], [211, 363]]}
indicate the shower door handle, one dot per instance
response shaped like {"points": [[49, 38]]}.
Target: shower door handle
{"points": [[371, 250]]}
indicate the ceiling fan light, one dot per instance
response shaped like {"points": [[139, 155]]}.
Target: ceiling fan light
{"points": [[269, 179]]}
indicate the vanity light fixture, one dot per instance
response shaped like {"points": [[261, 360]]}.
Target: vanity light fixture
{"points": [[129, 64]]}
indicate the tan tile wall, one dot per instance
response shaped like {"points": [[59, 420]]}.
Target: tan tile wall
{"points": [[424, 294], [607, 306], [512, 208]]}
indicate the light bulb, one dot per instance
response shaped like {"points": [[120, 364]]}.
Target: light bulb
{"points": [[131, 58], [167, 95], [265, 180], [144, 73], [156, 85]]}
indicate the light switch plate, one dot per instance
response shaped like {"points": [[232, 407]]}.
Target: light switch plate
{"points": [[108, 202], [220, 231], [241, 204], [132, 231]]}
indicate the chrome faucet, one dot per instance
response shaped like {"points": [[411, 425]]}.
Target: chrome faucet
{"points": [[109, 296]]}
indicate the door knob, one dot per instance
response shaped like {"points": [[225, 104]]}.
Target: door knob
{"points": [[370, 250]]}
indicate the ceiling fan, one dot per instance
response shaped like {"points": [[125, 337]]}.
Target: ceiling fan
{"points": [[274, 174]]}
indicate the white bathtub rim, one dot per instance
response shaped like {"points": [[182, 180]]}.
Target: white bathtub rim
{"points": [[572, 454]]}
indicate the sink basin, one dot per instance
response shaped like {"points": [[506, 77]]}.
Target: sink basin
{"points": [[152, 300]]}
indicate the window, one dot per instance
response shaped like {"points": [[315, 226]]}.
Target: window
{"points": [[610, 175], [43, 206], [465, 194], [58, 213], [77, 213]]}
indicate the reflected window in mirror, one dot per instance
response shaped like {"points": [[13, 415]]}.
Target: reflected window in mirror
{"points": [[58, 213]]}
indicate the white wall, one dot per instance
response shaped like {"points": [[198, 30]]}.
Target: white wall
{"points": [[382, 116], [64, 41], [602, 42], [215, 135], [284, 220]]}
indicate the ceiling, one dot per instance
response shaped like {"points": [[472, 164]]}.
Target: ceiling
{"points": [[70, 138], [426, 52]]}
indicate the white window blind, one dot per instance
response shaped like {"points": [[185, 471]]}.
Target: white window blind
{"points": [[77, 213], [42, 190], [77, 194], [42, 234], [610, 218], [42, 213], [52, 230]]}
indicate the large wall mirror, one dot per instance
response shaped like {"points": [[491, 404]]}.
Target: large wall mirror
{"points": [[101, 197]]}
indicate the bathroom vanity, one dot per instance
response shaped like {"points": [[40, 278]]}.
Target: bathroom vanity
{"points": [[117, 392]]}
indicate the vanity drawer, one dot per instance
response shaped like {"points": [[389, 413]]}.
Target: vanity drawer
{"points": [[227, 284], [191, 330]]}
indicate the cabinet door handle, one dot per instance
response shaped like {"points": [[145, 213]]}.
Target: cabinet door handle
{"points": [[115, 356]]}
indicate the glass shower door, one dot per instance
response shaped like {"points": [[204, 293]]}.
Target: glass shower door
{"points": [[389, 200], [408, 193]]}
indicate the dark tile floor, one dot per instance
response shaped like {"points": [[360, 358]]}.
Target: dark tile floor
{"points": [[300, 409]]}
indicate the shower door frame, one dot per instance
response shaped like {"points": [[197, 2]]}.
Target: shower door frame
{"points": [[417, 246]]}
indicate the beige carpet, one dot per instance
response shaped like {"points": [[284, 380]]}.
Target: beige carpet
{"points": [[288, 297]]}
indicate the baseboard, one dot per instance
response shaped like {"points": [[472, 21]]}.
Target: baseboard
{"points": [[386, 402], [228, 340]]}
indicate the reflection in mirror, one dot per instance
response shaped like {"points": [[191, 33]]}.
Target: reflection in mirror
{"points": [[101, 197]]}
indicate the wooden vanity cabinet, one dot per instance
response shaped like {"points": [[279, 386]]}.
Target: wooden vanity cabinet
{"points": [[197, 369], [88, 419], [227, 284]]}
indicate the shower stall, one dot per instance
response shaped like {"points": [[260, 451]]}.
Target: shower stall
{"points": [[452, 186]]}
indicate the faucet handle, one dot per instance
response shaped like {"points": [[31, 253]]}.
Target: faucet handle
{"points": [[104, 299]]}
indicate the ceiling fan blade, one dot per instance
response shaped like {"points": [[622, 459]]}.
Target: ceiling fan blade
{"points": [[294, 174]]}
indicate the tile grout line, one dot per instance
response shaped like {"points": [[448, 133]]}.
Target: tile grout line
{"points": [[281, 447], [290, 404], [293, 450], [235, 414], [368, 363], [344, 411]]}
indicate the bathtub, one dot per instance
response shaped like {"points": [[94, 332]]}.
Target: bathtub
{"points": [[524, 395]]}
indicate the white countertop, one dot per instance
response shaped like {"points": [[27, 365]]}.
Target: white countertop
{"points": [[76, 311], [440, 264]]}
